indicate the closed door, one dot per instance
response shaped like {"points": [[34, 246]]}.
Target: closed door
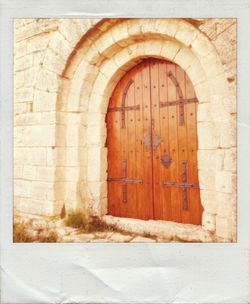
{"points": [[152, 145]]}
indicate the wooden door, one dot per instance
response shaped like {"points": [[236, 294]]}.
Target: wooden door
{"points": [[152, 145]]}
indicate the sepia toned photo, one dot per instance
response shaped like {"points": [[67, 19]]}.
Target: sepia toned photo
{"points": [[125, 130]]}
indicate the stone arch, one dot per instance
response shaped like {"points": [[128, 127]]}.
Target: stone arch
{"points": [[97, 60]]}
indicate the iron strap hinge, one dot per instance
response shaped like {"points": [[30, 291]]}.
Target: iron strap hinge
{"points": [[125, 180], [181, 185]]}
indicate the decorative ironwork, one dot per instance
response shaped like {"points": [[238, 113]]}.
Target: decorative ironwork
{"points": [[177, 184], [177, 102], [156, 140], [151, 140], [184, 180], [183, 185], [124, 180], [147, 141], [124, 108], [181, 101], [166, 160]]}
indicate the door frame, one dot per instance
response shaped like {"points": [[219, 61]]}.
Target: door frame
{"points": [[90, 77]]}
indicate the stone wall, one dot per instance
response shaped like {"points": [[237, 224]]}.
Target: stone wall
{"points": [[64, 73]]}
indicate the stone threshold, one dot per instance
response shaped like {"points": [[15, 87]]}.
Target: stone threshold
{"points": [[165, 230]]}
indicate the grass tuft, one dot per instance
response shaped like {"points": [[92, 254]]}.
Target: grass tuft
{"points": [[77, 220], [87, 224], [22, 234]]}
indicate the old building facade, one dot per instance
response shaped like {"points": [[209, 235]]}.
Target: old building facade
{"points": [[65, 71]]}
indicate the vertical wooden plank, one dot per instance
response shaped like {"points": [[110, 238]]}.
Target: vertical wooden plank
{"points": [[139, 173], [148, 212], [182, 142], [114, 153], [173, 113], [131, 188], [165, 192], [156, 151], [192, 167]]}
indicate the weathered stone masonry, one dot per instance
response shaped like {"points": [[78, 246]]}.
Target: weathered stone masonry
{"points": [[64, 73]]}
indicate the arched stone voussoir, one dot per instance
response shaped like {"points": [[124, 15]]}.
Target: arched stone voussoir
{"points": [[125, 60]]}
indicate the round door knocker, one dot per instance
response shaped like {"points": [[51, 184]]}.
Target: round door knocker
{"points": [[166, 160]]}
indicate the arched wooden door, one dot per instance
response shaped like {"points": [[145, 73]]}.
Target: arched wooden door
{"points": [[152, 145]]}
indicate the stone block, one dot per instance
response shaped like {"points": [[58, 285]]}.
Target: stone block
{"points": [[44, 101], [37, 43], [208, 137], [207, 179], [212, 65], [210, 159], [33, 29], [148, 27], [202, 92], [186, 33], [227, 133], [119, 34], [104, 45], [40, 136], [58, 193], [73, 138], [224, 182], [97, 104], [20, 156], [184, 58], [22, 188], [41, 190], [153, 48], [55, 156], [23, 63], [96, 135], [95, 119], [122, 57], [18, 171], [224, 227], [208, 221], [53, 62], [20, 49], [167, 27], [47, 81], [218, 85], [46, 174], [97, 164], [72, 156], [201, 45], [60, 45], [38, 59], [36, 156], [196, 73], [19, 136], [219, 108], [30, 76], [204, 112], [97, 190], [169, 49], [23, 94], [18, 79], [209, 201], [72, 174], [29, 172], [21, 107], [48, 118], [226, 204], [230, 159], [71, 32]]}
